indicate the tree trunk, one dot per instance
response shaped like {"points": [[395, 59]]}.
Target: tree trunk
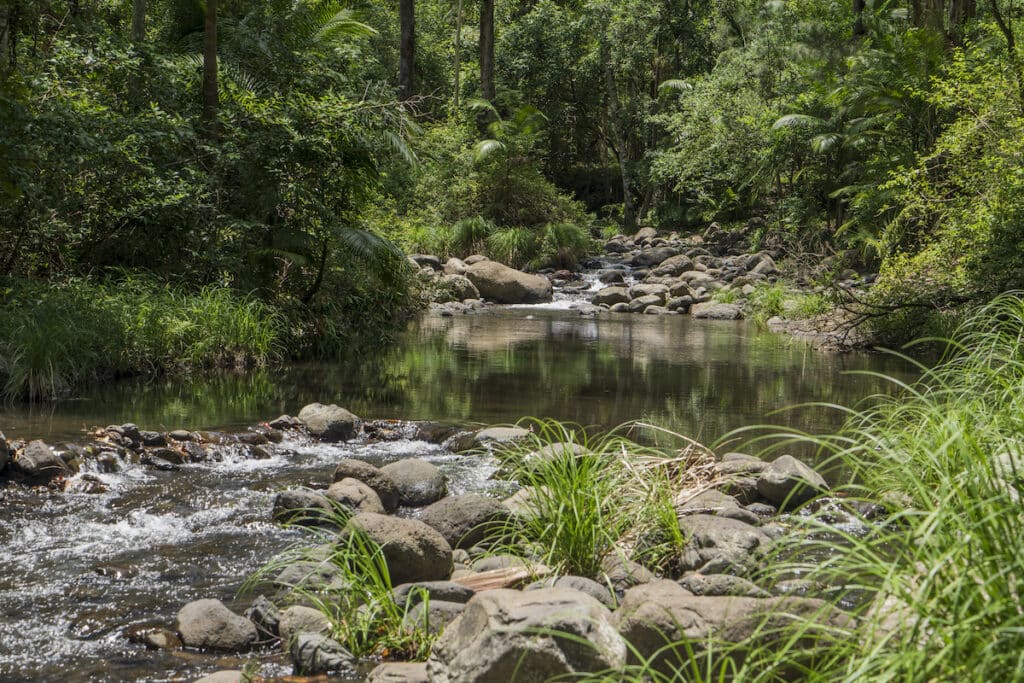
{"points": [[407, 47], [618, 139], [5, 39], [458, 53], [210, 93], [138, 22], [858, 14], [487, 49]]}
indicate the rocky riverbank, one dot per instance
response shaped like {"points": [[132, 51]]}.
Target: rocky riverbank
{"points": [[459, 592]]}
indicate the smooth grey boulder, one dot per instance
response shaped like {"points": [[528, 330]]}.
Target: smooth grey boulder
{"points": [[301, 506], [448, 591], [673, 266], [506, 635], [329, 422], [37, 462], [383, 485], [355, 496], [721, 584], [300, 619], [399, 672], [208, 624], [417, 481], [647, 289], [226, 676], [642, 234], [609, 296], [454, 266], [465, 521], [413, 551], [652, 257], [787, 483], [603, 594], [505, 285], [433, 615], [500, 435], [720, 545], [713, 311], [311, 576], [462, 287], [642, 303], [314, 653]]}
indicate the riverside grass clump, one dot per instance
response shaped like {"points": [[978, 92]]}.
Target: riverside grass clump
{"points": [[57, 337]]}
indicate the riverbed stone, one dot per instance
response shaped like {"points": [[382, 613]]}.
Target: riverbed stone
{"points": [[38, 462], [715, 311], [673, 266], [265, 615], [413, 551], [301, 619], [225, 676], [601, 593], [501, 284], [652, 257], [621, 573], [461, 287], [433, 615], [645, 289], [301, 506], [642, 303], [500, 435], [787, 483], [609, 296], [329, 422], [418, 482], [448, 591], [720, 545], [314, 653], [466, 520], [209, 624], [355, 496], [153, 637], [399, 672], [382, 484], [721, 584], [507, 635]]}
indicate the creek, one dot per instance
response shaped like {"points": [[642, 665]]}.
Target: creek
{"points": [[77, 568]]}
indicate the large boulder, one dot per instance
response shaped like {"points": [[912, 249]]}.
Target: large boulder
{"points": [[507, 635], [329, 423], [208, 624], [413, 551], [609, 296], [383, 485], [301, 506], [652, 257], [642, 303], [720, 545], [433, 615], [673, 266], [301, 619], [600, 592], [37, 462], [788, 482], [355, 496], [465, 521], [461, 287], [418, 482], [713, 311], [447, 591], [505, 285]]}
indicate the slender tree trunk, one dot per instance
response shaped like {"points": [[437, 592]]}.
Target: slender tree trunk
{"points": [[5, 39], [407, 47], [487, 49], [618, 139], [458, 53], [210, 93], [138, 22], [858, 14]]}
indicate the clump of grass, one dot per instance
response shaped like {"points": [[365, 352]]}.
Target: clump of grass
{"points": [[57, 337], [514, 247], [726, 296], [768, 301], [564, 245]]}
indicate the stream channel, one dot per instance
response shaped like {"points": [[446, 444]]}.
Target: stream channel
{"points": [[76, 569]]}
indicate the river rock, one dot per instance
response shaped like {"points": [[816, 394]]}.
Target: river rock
{"points": [[465, 521], [721, 584], [611, 277], [641, 304], [265, 615], [673, 266], [312, 576], [315, 653], [714, 311], [285, 422], [500, 435], [603, 594], [399, 672], [652, 257], [433, 615], [462, 287], [37, 462], [609, 296], [474, 259], [507, 635], [418, 482], [448, 591], [455, 266], [301, 506], [413, 551], [210, 625], [622, 573], [642, 234], [300, 619], [355, 496], [788, 482], [382, 484], [720, 545], [505, 285], [226, 676], [425, 261], [329, 423], [645, 289], [153, 637]]}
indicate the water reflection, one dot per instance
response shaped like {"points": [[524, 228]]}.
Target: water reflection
{"points": [[697, 377]]}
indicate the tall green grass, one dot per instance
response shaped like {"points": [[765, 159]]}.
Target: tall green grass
{"points": [[57, 337]]}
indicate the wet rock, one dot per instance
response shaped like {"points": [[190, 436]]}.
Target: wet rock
{"points": [[38, 463], [602, 594], [195, 452], [285, 422], [226, 676], [329, 422], [153, 637], [168, 455], [787, 482], [158, 463], [210, 625], [448, 591], [461, 287], [673, 266], [465, 521], [311, 576], [641, 304], [152, 439], [507, 635], [399, 672], [646, 289], [609, 296], [719, 545], [652, 257], [355, 496], [619, 308], [611, 277], [413, 551], [314, 654], [382, 484], [657, 310], [87, 483], [301, 506], [721, 584], [713, 311], [418, 482], [500, 435], [253, 438], [181, 435], [300, 619], [740, 463], [265, 615], [433, 616], [504, 285]]}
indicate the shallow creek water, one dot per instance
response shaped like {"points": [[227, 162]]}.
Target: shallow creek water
{"points": [[76, 569]]}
